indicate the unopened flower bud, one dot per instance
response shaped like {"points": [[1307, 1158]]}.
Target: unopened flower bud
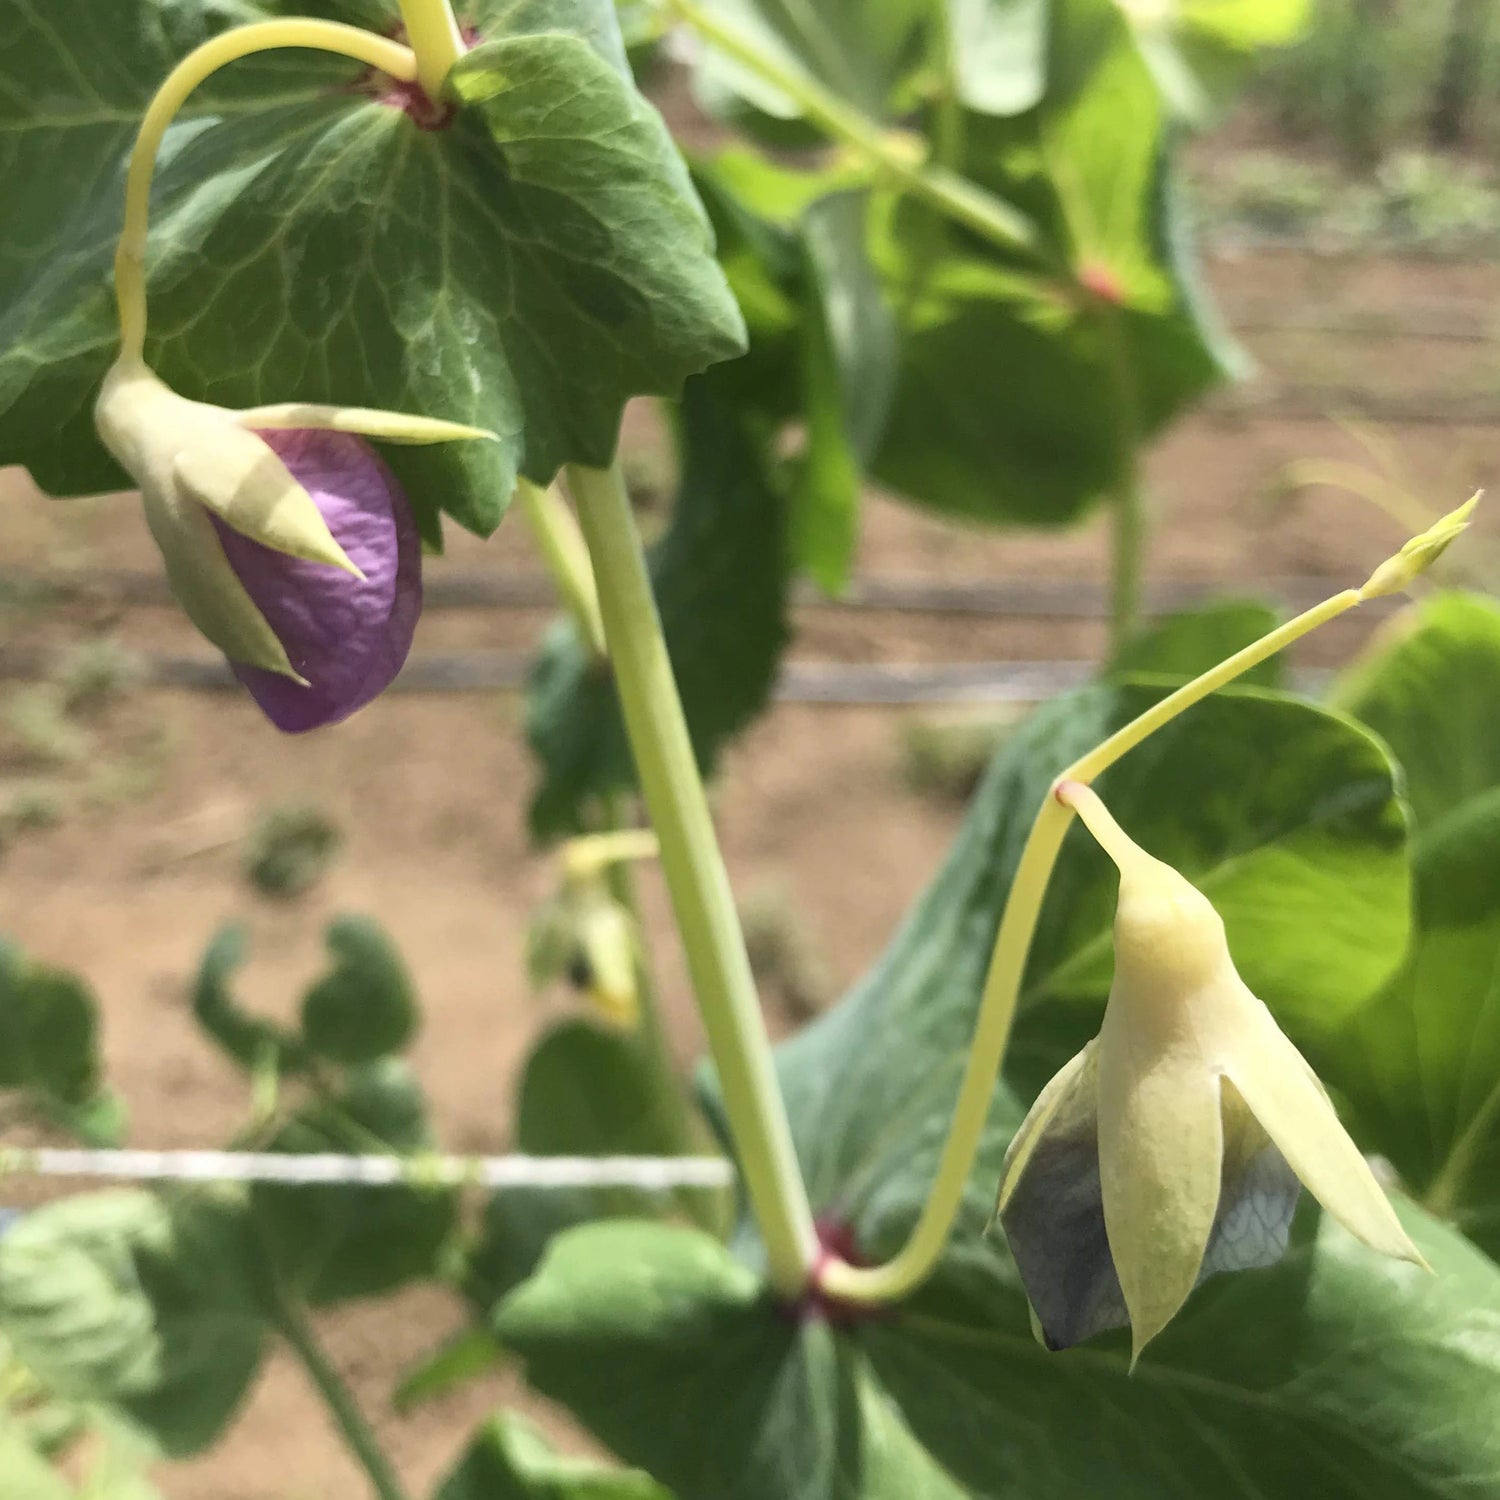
{"points": [[285, 537], [1419, 554]]}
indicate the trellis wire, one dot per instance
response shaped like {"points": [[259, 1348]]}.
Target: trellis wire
{"points": [[649, 1174]]}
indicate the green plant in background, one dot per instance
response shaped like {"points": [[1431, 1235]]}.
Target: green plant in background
{"points": [[289, 850], [972, 282]]}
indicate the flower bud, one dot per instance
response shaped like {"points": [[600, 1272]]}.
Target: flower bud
{"points": [[1172, 1146], [1419, 554], [285, 537]]}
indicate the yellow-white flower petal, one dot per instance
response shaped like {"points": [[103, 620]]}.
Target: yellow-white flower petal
{"points": [[1160, 1153], [1284, 1095]]}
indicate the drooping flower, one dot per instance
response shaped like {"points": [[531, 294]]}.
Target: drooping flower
{"points": [[586, 933], [286, 538], [1173, 1145]]}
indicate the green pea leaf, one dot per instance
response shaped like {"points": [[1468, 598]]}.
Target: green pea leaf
{"points": [[1197, 49], [585, 1091], [147, 1307], [333, 1244], [526, 269], [1420, 1068], [999, 53], [363, 1008], [249, 1040], [796, 1410], [719, 573], [49, 1048], [1017, 392], [867, 54], [1324, 1376], [509, 1459], [849, 353]]}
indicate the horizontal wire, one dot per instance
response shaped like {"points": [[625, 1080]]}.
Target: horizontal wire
{"points": [[649, 1174]]}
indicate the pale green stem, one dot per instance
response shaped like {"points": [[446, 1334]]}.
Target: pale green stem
{"points": [[1002, 986], [1127, 551], [1100, 822], [1128, 534], [243, 41], [433, 32], [962, 201], [696, 877], [567, 559], [291, 1322]]}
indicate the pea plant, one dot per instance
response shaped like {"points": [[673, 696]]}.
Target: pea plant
{"points": [[1201, 942]]}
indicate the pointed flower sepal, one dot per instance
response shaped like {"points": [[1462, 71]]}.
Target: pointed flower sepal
{"points": [[1172, 1147], [285, 537]]}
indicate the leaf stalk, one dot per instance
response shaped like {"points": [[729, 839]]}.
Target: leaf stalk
{"points": [[200, 64]]}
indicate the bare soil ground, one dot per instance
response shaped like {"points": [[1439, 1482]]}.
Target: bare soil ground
{"points": [[133, 880]]}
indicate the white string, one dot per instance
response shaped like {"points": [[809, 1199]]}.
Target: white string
{"points": [[651, 1174]]}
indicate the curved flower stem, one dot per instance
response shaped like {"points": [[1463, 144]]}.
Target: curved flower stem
{"points": [[962, 201], [262, 36], [1002, 986], [567, 558], [696, 877], [433, 32]]}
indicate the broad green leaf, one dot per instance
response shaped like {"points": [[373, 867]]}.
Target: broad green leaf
{"points": [[865, 53], [49, 1048], [509, 1459], [249, 1040], [822, 337], [147, 1307], [1420, 1067], [999, 53], [849, 353], [1195, 640], [363, 1008], [526, 269], [1429, 685], [1018, 390], [720, 578], [673, 1354], [1197, 49], [331, 1244], [1329, 1375], [998, 390], [585, 1091]]}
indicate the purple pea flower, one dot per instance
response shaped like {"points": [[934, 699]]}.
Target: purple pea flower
{"points": [[347, 637], [286, 539]]}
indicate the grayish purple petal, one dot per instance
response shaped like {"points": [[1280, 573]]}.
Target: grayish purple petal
{"points": [[348, 637], [1054, 1223]]}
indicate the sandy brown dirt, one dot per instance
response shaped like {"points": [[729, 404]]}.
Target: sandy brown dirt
{"points": [[430, 792]]}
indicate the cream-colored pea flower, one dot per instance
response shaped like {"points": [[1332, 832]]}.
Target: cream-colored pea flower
{"points": [[1173, 1145]]}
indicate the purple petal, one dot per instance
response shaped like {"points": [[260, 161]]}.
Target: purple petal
{"points": [[348, 637]]}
